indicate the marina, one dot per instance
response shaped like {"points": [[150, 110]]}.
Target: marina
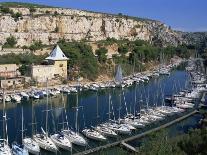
{"points": [[91, 119]]}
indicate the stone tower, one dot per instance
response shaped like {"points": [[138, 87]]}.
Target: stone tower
{"points": [[59, 60]]}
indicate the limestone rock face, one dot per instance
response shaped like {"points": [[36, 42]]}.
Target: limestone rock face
{"points": [[51, 24]]}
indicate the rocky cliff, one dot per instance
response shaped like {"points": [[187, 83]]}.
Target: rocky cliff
{"points": [[51, 24]]}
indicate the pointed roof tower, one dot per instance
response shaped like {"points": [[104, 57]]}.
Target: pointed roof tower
{"points": [[57, 54]]}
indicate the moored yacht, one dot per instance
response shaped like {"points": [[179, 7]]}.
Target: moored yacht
{"points": [[93, 134], [45, 142], [61, 141], [105, 131], [74, 137]]}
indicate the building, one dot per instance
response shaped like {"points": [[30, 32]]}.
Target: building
{"points": [[17, 82], [56, 68], [8, 70]]}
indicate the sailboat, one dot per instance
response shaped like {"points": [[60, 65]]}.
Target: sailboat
{"points": [[73, 136], [4, 145], [60, 140], [92, 133], [43, 140], [116, 127], [131, 119], [119, 77], [16, 148], [104, 130], [31, 145]]}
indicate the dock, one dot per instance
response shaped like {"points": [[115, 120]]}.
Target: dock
{"points": [[129, 147], [124, 141]]}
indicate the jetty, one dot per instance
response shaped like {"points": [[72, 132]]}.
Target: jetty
{"points": [[124, 141]]}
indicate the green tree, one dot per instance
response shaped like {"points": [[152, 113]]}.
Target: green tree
{"points": [[36, 45], [101, 54], [123, 49]]}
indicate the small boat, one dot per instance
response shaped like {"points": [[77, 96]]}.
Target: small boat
{"points": [[7, 98], [24, 95], [16, 98], [92, 134]]}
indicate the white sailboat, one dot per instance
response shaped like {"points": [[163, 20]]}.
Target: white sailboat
{"points": [[4, 145], [31, 145], [17, 149], [116, 127], [73, 136], [43, 140], [93, 134], [60, 140], [104, 130]]}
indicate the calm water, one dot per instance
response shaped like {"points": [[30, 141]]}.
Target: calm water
{"points": [[93, 107]]}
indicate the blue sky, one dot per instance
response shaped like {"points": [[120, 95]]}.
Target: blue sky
{"points": [[185, 15]]}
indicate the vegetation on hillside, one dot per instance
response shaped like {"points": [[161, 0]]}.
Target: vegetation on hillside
{"points": [[81, 58], [160, 143], [133, 55], [20, 4]]}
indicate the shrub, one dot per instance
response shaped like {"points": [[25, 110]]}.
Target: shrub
{"points": [[10, 42], [36, 45], [32, 9], [101, 54]]}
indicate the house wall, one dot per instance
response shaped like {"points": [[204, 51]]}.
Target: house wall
{"points": [[41, 72], [61, 68], [8, 70], [15, 82]]}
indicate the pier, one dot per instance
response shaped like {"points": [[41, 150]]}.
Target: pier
{"points": [[124, 141]]}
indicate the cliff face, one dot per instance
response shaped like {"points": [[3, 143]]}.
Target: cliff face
{"points": [[51, 24]]}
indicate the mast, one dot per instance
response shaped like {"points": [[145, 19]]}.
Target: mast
{"points": [[119, 105], [135, 98], [109, 106], [3, 114], [134, 64], [97, 104], [5, 135], [22, 125], [62, 112], [46, 126], [76, 114]]}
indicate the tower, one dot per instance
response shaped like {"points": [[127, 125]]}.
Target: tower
{"points": [[59, 60]]}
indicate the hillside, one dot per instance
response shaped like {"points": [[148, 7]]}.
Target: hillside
{"points": [[28, 22]]}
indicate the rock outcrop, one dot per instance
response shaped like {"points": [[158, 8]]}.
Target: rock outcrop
{"points": [[51, 24]]}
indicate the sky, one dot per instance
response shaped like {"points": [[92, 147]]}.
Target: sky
{"points": [[184, 15]]}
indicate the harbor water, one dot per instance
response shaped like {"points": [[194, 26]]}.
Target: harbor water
{"points": [[93, 108]]}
